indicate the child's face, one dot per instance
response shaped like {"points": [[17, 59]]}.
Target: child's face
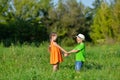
{"points": [[54, 37], [79, 40]]}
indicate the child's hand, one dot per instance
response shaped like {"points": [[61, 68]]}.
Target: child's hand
{"points": [[66, 54]]}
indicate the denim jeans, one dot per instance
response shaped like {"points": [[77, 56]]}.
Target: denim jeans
{"points": [[78, 65]]}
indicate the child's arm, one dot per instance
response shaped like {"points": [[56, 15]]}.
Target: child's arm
{"points": [[73, 51], [60, 47]]}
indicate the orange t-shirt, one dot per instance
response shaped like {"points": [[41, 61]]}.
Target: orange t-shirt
{"points": [[55, 54]]}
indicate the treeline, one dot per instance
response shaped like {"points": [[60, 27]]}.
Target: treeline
{"points": [[32, 21]]}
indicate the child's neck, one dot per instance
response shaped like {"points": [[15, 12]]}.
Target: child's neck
{"points": [[52, 40], [79, 42]]}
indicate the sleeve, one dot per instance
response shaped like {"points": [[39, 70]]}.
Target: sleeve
{"points": [[79, 47]]}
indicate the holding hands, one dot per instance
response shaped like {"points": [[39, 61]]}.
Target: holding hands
{"points": [[66, 54]]}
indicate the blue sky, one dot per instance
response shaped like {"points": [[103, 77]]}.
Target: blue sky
{"points": [[85, 2]]}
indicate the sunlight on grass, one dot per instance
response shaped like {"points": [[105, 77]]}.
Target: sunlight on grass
{"points": [[32, 63]]}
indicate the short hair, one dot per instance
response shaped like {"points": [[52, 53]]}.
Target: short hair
{"points": [[52, 34]]}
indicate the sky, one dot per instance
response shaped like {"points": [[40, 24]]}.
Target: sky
{"points": [[85, 2]]}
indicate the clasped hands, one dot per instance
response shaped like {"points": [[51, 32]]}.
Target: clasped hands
{"points": [[66, 54]]}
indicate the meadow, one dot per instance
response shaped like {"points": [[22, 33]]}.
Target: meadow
{"points": [[32, 63]]}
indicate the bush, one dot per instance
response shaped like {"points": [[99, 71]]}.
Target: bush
{"points": [[67, 42]]}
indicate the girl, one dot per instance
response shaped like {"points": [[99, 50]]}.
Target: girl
{"points": [[55, 52]]}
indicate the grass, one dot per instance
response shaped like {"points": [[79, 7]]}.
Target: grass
{"points": [[32, 63]]}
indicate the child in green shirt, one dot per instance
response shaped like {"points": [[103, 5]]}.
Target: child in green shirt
{"points": [[80, 51]]}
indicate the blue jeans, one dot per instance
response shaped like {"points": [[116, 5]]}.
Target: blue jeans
{"points": [[78, 65]]}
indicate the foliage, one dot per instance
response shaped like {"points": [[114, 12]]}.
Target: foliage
{"points": [[68, 18], [22, 23], [105, 25], [32, 20], [116, 20], [101, 28]]}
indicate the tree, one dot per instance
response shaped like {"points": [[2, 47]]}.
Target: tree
{"points": [[116, 19], [3, 9], [67, 18], [24, 21], [101, 28]]}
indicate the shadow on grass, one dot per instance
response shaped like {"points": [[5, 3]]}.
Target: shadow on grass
{"points": [[92, 65], [68, 66], [86, 66]]}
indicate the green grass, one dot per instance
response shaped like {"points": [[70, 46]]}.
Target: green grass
{"points": [[32, 63]]}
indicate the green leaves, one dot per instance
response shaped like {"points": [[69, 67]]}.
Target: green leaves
{"points": [[67, 18], [37, 18], [104, 20]]}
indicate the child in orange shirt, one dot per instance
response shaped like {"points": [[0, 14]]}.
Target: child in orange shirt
{"points": [[55, 52]]}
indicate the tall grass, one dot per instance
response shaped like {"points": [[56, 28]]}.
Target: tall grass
{"points": [[32, 63]]}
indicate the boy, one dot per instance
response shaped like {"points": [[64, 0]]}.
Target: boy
{"points": [[80, 51]]}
